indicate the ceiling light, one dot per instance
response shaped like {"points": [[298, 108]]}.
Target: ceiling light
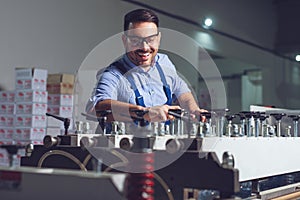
{"points": [[207, 23]]}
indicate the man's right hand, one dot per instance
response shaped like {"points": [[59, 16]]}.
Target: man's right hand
{"points": [[160, 113]]}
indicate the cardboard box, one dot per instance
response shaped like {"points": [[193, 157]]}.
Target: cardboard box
{"points": [[60, 99], [60, 88], [61, 78], [7, 96], [6, 133], [7, 120], [31, 84], [30, 73], [31, 108], [38, 121], [7, 108], [36, 134], [37, 96], [62, 111]]}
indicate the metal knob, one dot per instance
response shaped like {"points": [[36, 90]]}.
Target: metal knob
{"points": [[50, 141], [278, 117], [295, 119], [126, 144], [173, 146], [86, 142], [29, 149], [227, 160]]}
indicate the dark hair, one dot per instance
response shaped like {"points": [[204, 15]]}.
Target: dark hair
{"points": [[140, 15]]}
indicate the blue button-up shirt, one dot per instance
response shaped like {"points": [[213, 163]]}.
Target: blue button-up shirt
{"points": [[112, 84]]}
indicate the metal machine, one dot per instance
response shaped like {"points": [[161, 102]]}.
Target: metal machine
{"points": [[247, 155], [49, 184]]}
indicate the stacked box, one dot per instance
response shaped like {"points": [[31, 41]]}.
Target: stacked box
{"points": [[60, 99], [7, 108], [6, 134], [60, 89], [30, 108], [33, 134], [7, 96], [7, 112], [60, 84], [22, 111], [31, 96], [31, 78], [30, 105]]}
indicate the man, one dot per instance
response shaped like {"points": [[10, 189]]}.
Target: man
{"points": [[142, 79]]}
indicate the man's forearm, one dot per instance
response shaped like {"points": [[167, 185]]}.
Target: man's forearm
{"points": [[188, 102], [120, 111]]}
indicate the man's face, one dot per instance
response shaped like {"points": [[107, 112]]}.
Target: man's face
{"points": [[141, 42]]}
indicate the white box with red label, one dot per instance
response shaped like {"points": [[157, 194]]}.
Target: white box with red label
{"points": [[31, 108], [36, 134], [7, 108], [32, 84], [60, 99], [7, 96], [6, 133], [62, 111], [38, 96], [7, 120], [30, 121], [26, 73]]}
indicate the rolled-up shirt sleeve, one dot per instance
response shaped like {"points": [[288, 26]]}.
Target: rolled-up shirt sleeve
{"points": [[106, 87]]}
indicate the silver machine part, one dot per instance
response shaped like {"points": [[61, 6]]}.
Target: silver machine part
{"points": [[249, 151]]}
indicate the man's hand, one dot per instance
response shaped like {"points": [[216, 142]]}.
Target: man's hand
{"points": [[197, 113], [160, 113]]}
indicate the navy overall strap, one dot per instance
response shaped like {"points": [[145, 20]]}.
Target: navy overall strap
{"points": [[166, 87], [139, 100]]}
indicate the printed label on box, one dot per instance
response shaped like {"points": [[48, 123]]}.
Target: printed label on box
{"points": [[60, 88], [7, 120], [63, 111], [30, 121], [7, 108], [31, 108], [60, 99], [33, 84], [36, 134], [7, 96], [37, 96], [6, 133]]}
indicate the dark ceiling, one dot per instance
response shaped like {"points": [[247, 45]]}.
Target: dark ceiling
{"points": [[288, 35]]}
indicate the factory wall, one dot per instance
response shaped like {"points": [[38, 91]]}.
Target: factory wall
{"points": [[57, 35]]}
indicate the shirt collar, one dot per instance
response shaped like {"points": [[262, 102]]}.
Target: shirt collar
{"points": [[130, 65]]}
